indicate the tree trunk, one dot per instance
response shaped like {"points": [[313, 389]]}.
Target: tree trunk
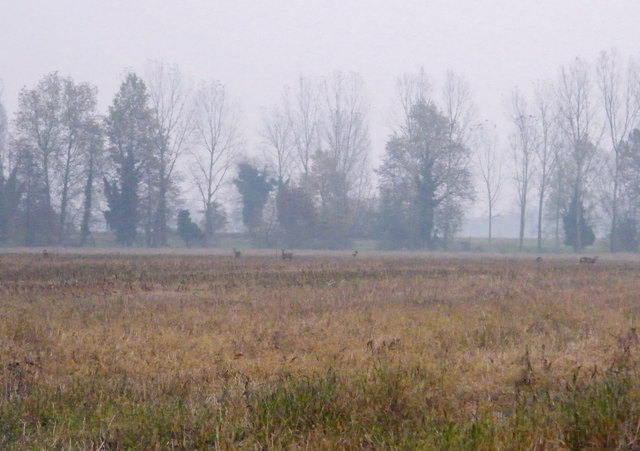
{"points": [[578, 243], [65, 195], [88, 200], [523, 210], [490, 222], [557, 244], [49, 219], [160, 226], [613, 241], [540, 207]]}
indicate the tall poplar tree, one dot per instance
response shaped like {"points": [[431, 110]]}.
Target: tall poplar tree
{"points": [[54, 129]]}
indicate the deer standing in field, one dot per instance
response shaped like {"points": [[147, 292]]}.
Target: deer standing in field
{"points": [[539, 259], [355, 253], [286, 255], [588, 260], [45, 254], [236, 254]]}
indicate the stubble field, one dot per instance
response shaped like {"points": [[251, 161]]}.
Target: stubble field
{"points": [[325, 352]]}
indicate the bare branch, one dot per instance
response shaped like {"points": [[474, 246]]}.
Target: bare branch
{"points": [[217, 139], [303, 114], [277, 137], [489, 163], [524, 142]]}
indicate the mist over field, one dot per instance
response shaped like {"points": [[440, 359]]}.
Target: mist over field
{"points": [[319, 125]]}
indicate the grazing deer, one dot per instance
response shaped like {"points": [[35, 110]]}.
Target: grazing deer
{"points": [[237, 254], [355, 253], [286, 255], [539, 259], [588, 260]]}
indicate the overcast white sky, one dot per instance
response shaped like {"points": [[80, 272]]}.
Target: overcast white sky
{"points": [[255, 47]]}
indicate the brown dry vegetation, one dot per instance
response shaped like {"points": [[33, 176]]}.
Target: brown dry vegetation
{"points": [[120, 352]]}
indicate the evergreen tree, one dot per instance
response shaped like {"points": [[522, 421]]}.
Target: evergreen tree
{"points": [[10, 196], [587, 237], [254, 187], [122, 216], [131, 132], [188, 230]]}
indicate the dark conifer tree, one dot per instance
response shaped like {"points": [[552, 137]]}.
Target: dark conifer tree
{"points": [[570, 221], [189, 230], [130, 128], [254, 187], [10, 195]]}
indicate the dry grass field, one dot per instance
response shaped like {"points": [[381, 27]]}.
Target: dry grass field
{"points": [[325, 352]]}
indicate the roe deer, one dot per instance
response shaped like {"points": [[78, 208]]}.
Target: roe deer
{"points": [[538, 259], [45, 253], [286, 255], [355, 253], [588, 260], [236, 253]]}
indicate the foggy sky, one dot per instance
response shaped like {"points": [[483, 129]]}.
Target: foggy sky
{"points": [[256, 47]]}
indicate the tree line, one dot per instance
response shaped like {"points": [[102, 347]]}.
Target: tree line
{"points": [[572, 157]]}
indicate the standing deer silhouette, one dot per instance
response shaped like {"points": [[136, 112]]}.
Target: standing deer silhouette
{"points": [[588, 260], [236, 254], [286, 255]]}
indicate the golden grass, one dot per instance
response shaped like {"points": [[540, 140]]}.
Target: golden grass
{"points": [[325, 352]]}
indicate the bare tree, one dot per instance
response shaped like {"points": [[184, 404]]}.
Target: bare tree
{"points": [[490, 163], [619, 93], [170, 99], [523, 149], [560, 186], [302, 109], [577, 121], [547, 149], [460, 112], [217, 139], [78, 138], [277, 137], [94, 159], [410, 90], [342, 165], [37, 135], [345, 133], [54, 125]]}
